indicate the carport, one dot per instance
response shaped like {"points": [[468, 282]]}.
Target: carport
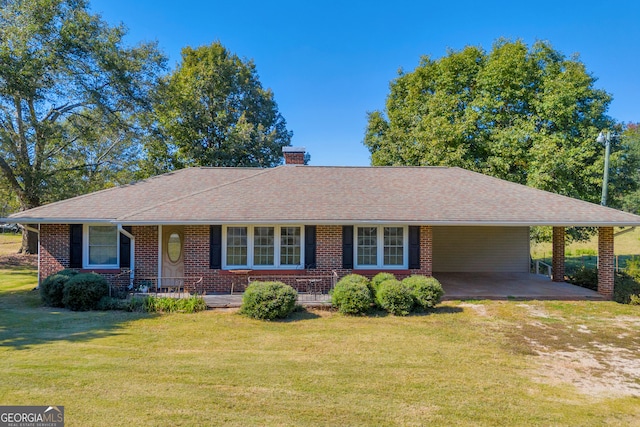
{"points": [[503, 286]]}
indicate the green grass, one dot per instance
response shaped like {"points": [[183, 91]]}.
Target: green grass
{"points": [[465, 364], [9, 243]]}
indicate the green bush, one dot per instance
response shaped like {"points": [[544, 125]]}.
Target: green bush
{"points": [[587, 277], [379, 278], [52, 287], [83, 291], [51, 290], [634, 299], [135, 304], [632, 267], [268, 300], [110, 303], [395, 297], [352, 296], [426, 291], [624, 287]]}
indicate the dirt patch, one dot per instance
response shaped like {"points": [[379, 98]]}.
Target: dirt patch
{"points": [[479, 309], [609, 372], [18, 260]]}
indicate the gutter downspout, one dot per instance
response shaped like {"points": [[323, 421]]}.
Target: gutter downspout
{"points": [[132, 266], [37, 231]]}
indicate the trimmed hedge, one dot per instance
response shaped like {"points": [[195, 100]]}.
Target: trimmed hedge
{"points": [[83, 291], [268, 300], [426, 291], [395, 297], [52, 287], [352, 295], [51, 290], [379, 278]]}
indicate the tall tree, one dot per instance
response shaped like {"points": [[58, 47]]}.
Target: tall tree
{"points": [[528, 115], [65, 75], [213, 111]]}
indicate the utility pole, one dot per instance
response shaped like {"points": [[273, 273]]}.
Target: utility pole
{"points": [[606, 140]]}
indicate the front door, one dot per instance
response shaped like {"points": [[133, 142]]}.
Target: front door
{"points": [[172, 256]]}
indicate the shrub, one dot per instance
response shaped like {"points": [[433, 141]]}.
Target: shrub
{"points": [[352, 296], [426, 291], [268, 300], [111, 303], [632, 267], [51, 290], [587, 277], [634, 299], [624, 287], [395, 297], [135, 304], [83, 291], [379, 278]]}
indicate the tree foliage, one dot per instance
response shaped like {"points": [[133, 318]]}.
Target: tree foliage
{"points": [[213, 111], [69, 94], [528, 115]]}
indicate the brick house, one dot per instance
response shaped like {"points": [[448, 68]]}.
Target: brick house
{"points": [[215, 228]]}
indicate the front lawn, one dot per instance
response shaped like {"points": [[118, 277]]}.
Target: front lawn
{"points": [[478, 363]]}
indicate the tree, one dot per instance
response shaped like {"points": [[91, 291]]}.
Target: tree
{"points": [[528, 115], [66, 83], [213, 111]]}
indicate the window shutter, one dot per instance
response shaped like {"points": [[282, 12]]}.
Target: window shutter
{"points": [[125, 249], [414, 247], [215, 247], [347, 246], [310, 246], [75, 245]]}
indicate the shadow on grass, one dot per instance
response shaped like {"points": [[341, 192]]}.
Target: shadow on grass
{"points": [[300, 314], [25, 323]]}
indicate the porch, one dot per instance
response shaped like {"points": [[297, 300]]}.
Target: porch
{"points": [[461, 286]]}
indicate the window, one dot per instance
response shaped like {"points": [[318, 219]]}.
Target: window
{"points": [[263, 247], [101, 246], [381, 246], [237, 246], [290, 243]]}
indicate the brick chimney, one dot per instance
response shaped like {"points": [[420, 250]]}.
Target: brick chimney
{"points": [[293, 155]]}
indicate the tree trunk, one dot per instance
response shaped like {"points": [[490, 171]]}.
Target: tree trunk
{"points": [[29, 242]]}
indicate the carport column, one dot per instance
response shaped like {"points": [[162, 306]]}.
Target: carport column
{"points": [[606, 269], [558, 254]]}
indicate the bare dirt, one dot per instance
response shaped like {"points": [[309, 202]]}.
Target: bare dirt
{"points": [[598, 363]]}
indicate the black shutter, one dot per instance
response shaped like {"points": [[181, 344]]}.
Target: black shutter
{"points": [[75, 245], [347, 246], [309, 246], [125, 248], [414, 247], [215, 247]]}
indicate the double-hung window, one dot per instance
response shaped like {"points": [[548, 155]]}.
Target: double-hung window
{"points": [[381, 247], [101, 245], [262, 247]]}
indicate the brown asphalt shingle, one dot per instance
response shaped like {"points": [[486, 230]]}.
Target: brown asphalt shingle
{"points": [[338, 195]]}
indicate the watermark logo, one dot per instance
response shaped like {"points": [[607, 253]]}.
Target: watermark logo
{"points": [[31, 416]]}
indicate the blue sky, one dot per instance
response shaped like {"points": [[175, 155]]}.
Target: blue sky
{"points": [[329, 62]]}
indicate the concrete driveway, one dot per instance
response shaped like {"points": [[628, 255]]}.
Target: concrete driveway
{"points": [[510, 286]]}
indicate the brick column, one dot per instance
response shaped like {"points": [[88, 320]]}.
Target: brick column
{"points": [[426, 250], [606, 270], [557, 262]]}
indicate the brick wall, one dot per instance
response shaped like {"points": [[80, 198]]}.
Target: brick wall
{"points": [[55, 257], [605, 262], [54, 248], [146, 250], [557, 259]]}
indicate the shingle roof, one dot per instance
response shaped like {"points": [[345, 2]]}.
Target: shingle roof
{"points": [[337, 195]]}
